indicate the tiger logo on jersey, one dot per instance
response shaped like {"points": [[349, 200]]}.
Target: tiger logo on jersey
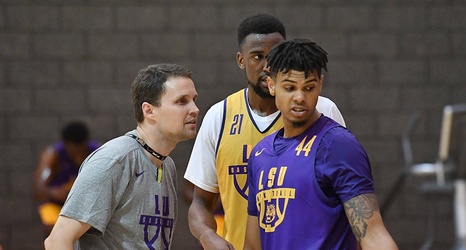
{"points": [[270, 213], [273, 201]]}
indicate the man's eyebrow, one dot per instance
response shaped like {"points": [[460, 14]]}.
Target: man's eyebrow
{"points": [[285, 79], [257, 51], [311, 80], [288, 80], [186, 96]]}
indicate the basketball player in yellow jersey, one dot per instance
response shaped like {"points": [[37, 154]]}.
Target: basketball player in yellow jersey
{"points": [[218, 163]]}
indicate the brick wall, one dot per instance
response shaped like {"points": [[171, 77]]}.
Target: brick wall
{"points": [[63, 60]]}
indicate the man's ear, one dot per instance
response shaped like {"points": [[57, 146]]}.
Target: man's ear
{"points": [[147, 110], [240, 60], [271, 85]]}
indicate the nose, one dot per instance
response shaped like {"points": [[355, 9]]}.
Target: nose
{"points": [[299, 96], [263, 63], [194, 110], [266, 69]]}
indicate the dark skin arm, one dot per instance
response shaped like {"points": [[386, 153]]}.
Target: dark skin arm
{"points": [[188, 192], [201, 220], [366, 222], [252, 240], [44, 172]]}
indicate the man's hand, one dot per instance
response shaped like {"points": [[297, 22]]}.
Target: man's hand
{"points": [[212, 241]]}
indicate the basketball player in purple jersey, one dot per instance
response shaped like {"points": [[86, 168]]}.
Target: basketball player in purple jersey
{"points": [[218, 164], [57, 169], [310, 183]]}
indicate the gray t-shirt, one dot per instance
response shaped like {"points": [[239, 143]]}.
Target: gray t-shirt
{"points": [[117, 193]]}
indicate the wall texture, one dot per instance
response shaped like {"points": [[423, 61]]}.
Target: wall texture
{"points": [[62, 60]]}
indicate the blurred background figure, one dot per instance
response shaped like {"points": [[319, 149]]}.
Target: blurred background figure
{"points": [[57, 169]]}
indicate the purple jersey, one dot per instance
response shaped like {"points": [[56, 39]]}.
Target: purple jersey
{"points": [[297, 187], [68, 170]]}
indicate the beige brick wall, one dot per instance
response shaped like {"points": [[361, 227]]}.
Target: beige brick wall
{"points": [[75, 59]]}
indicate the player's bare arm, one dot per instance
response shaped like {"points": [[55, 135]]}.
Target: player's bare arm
{"points": [[366, 222], [44, 171], [202, 222], [65, 233], [359, 209], [252, 240]]}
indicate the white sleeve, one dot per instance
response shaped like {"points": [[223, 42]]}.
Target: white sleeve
{"points": [[330, 109], [201, 170]]}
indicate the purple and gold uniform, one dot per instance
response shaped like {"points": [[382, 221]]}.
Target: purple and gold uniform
{"points": [[218, 162], [235, 144], [64, 176], [297, 187], [68, 170]]}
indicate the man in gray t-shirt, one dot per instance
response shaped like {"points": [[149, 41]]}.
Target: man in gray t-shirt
{"points": [[125, 194]]}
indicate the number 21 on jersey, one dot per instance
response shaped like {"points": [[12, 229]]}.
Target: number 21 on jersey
{"points": [[236, 124]]}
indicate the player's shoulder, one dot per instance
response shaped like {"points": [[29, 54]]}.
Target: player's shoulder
{"points": [[340, 135], [50, 154], [216, 110], [217, 107], [213, 114], [220, 105], [119, 145], [240, 93], [325, 101]]}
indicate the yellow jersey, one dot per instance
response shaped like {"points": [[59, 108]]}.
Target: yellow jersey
{"points": [[238, 136]]}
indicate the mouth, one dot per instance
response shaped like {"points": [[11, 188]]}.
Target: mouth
{"points": [[263, 76], [192, 122], [298, 111], [263, 81]]}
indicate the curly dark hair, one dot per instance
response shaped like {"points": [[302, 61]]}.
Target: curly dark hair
{"points": [[297, 54]]}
